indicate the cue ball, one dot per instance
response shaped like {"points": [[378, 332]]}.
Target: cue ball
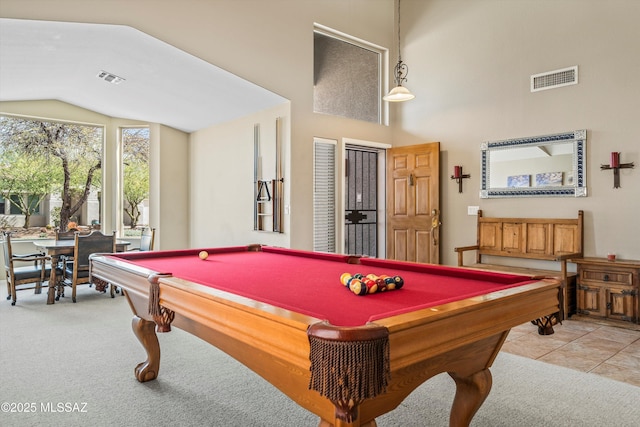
{"points": [[203, 255]]}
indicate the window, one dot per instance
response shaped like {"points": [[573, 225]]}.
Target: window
{"points": [[19, 203], [55, 161], [15, 203], [347, 76], [34, 204], [324, 195], [135, 184]]}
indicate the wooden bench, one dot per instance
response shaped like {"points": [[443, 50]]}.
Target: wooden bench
{"points": [[541, 239]]}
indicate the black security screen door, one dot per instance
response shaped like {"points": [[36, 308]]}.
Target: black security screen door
{"points": [[361, 216]]}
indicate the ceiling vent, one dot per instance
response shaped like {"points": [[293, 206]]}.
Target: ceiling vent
{"points": [[554, 79], [108, 77]]}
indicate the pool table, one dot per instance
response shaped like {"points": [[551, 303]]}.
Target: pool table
{"points": [[347, 358]]}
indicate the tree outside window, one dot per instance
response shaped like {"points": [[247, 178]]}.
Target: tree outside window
{"points": [[135, 158], [25, 180], [40, 158]]}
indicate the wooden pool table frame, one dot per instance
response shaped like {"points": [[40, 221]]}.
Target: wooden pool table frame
{"points": [[462, 338]]}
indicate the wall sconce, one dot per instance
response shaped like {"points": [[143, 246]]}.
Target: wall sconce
{"points": [[459, 176], [616, 166]]}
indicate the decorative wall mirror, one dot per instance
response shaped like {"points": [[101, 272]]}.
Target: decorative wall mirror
{"points": [[539, 166]]}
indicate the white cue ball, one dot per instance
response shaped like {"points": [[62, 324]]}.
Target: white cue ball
{"points": [[203, 255]]}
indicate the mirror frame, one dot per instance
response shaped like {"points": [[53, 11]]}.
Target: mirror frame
{"points": [[579, 187]]}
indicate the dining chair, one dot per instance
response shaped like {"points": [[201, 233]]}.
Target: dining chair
{"points": [[34, 273], [63, 260], [66, 235], [76, 272], [69, 235], [147, 239]]}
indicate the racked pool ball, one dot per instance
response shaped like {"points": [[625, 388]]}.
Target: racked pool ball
{"points": [[357, 287], [398, 281], [372, 287], [347, 282], [389, 283], [344, 277], [203, 255]]}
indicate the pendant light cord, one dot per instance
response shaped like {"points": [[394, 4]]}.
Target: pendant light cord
{"points": [[399, 54]]}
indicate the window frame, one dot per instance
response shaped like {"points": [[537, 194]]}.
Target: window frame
{"points": [[120, 203], [383, 65], [104, 157]]}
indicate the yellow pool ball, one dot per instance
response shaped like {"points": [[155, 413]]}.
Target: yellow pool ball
{"points": [[344, 277], [203, 255]]}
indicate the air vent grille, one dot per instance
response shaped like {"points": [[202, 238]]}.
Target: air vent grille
{"points": [[554, 79], [108, 77]]}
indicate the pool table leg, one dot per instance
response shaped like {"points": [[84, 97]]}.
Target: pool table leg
{"points": [[146, 334], [340, 423], [471, 391]]}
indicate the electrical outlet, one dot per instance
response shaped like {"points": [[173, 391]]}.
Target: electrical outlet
{"points": [[473, 210]]}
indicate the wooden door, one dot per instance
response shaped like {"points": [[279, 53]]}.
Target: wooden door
{"points": [[591, 300], [413, 209], [622, 304]]}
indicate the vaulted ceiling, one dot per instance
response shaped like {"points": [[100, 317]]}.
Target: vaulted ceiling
{"points": [[161, 84]]}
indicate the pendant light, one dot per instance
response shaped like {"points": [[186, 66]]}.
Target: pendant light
{"points": [[399, 93]]}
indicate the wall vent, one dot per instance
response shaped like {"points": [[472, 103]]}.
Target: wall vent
{"points": [[554, 79], [111, 78]]}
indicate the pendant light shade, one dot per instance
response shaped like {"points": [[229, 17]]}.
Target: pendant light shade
{"points": [[399, 93]]}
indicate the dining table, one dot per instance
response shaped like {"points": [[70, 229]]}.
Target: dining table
{"points": [[57, 248]]}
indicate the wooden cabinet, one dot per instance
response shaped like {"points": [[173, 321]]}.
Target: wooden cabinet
{"points": [[608, 289]]}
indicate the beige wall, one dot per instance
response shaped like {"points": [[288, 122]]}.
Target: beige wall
{"points": [[269, 43], [470, 63], [169, 184], [222, 180]]}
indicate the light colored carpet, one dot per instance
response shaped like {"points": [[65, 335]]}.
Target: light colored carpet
{"points": [[81, 356]]}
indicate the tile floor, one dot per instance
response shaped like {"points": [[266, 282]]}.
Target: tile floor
{"points": [[609, 349]]}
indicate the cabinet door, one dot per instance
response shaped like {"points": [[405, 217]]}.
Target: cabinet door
{"points": [[622, 304], [591, 300]]}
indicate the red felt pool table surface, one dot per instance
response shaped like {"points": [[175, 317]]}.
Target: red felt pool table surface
{"points": [[309, 283], [347, 358]]}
